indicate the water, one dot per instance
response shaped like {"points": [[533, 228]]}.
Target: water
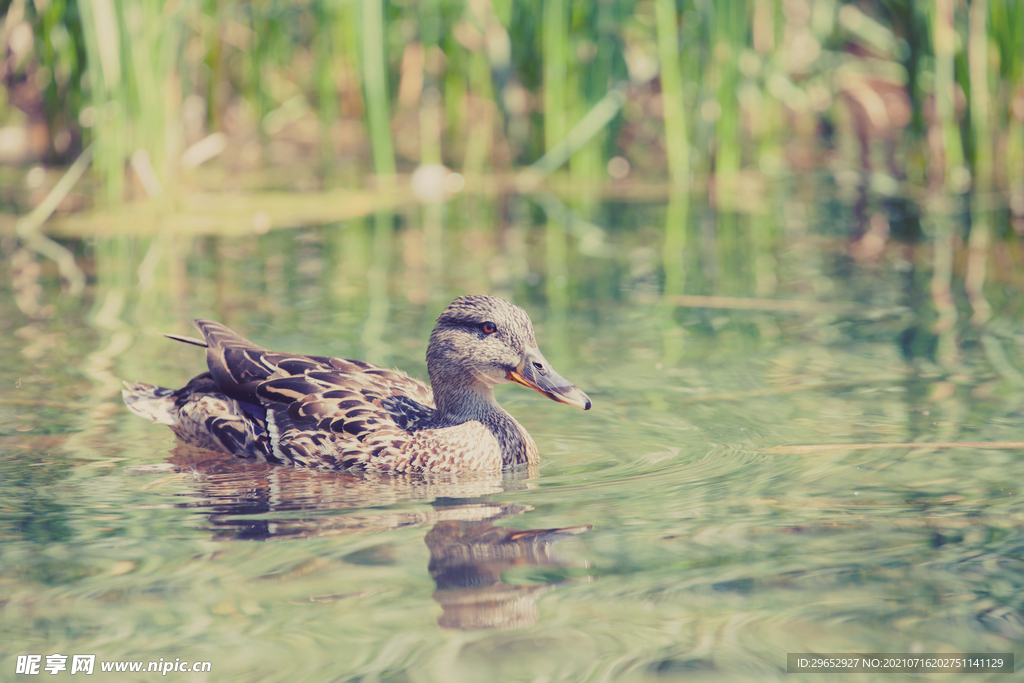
{"points": [[696, 541]]}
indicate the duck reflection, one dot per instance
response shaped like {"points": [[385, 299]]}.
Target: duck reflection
{"points": [[467, 560], [468, 553]]}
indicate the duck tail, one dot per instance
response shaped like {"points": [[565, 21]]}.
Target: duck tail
{"points": [[188, 340], [217, 335], [156, 404]]}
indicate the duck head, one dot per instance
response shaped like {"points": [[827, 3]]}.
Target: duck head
{"points": [[480, 342]]}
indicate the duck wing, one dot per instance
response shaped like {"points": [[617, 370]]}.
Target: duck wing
{"points": [[315, 410]]}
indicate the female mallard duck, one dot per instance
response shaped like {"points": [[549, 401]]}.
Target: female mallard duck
{"points": [[346, 414]]}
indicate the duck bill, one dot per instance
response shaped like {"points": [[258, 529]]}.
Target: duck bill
{"points": [[535, 372]]}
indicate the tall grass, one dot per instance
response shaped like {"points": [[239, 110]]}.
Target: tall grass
{"points": [[711, 89]]}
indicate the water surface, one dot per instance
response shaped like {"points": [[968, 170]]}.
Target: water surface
{"points": [[672, 531]]}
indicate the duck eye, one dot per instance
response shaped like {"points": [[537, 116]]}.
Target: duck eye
{"points": [[489, 328]]}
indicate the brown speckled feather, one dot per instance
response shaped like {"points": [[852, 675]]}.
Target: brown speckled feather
{"points": [[316, 411]]}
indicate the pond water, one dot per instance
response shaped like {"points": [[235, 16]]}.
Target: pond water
{"points": [[771, 465]]}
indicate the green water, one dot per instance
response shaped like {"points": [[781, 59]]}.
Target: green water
{"points": [[693, 550]]}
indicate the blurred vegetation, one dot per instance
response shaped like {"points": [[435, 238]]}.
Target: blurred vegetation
{"points": [[329, 91]]}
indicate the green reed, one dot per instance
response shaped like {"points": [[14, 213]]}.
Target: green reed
{"points": [[709, 88], [375, 85]]}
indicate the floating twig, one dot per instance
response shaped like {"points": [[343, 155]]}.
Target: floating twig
{"points": [[752, 304], [815, 448]]}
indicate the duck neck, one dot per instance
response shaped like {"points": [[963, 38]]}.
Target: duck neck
{"points": [[459, 404]]}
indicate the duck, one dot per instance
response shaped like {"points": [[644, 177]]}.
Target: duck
{"points": [[338, 414]]}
